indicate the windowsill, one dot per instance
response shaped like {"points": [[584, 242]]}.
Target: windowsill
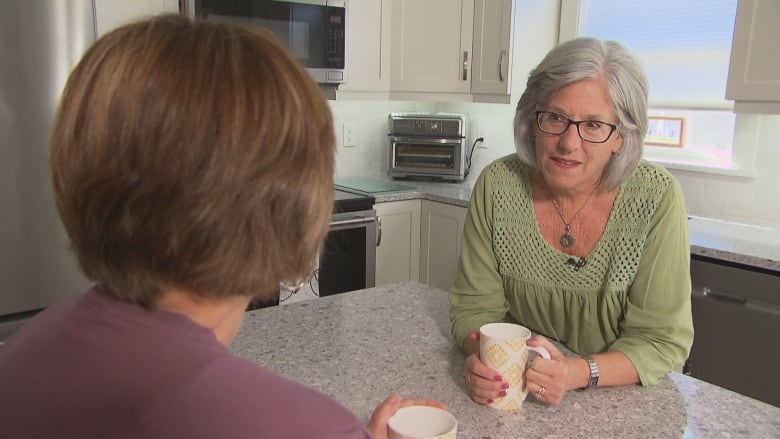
{"points": [[732, 172]]}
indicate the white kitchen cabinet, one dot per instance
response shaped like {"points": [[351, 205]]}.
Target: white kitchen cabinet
{"points": [[446, 50], [431, 48], [441, 231], [110, 14], [754, 71], [491, 46], [398, 254], [368, 51]]}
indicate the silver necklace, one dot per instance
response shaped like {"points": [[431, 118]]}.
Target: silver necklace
{"points": [[567, 239]]}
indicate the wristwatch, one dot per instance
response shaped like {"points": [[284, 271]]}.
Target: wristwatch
{"points": [[594, 372]]}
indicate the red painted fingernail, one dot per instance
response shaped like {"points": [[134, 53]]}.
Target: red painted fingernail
{"points": [[505, 386], [498, 378], [490, 401], [502, 393]]}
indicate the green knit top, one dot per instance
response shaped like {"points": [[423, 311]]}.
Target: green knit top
{"points": [[632, 295]]}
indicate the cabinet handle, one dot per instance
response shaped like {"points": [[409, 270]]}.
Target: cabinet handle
{"points": [[501, 66], [378, 231], [465, 64]]}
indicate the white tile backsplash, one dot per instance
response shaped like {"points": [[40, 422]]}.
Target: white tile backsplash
{"points": [[369, 155], [752, 200]]}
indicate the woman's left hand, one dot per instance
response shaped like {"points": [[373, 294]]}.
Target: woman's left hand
{"points": [[547, 380]]}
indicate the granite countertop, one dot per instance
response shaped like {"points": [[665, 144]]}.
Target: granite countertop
{"points": [[360, 346], [745, 244]]}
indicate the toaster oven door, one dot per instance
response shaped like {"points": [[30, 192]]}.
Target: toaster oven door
{"points": [[427, 157]]}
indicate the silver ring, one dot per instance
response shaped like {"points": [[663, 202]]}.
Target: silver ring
{"points": [[540, 392]]}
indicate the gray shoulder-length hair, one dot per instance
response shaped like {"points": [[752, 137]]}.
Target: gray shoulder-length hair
{"points": [[627, 86]]}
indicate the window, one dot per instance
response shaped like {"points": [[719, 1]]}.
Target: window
{"points": [[684, 47]]}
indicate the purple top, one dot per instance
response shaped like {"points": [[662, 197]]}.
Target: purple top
{"points": [[94, 366]]}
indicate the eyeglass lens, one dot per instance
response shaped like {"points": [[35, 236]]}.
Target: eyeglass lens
{"points": [[592, 131]]}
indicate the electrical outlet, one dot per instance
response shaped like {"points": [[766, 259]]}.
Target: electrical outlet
{"points": [[482, 132], [348, 135]]}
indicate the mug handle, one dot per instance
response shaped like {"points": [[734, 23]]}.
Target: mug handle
{"points": [[544, 354]]}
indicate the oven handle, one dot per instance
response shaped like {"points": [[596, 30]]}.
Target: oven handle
{"points": [[351, 222], [345, 223], [426, 140]]}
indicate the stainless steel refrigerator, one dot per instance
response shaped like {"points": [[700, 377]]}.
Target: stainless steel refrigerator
{"points": [[40, 42]]}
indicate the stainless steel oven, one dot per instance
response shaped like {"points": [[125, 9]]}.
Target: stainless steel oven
{"points": [[429, 145], [347, 261]]}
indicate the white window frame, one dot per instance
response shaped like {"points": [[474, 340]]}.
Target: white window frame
{"points": [[746, 126]]}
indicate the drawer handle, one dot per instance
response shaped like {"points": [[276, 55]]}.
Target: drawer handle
{"points": [[724, 297]]}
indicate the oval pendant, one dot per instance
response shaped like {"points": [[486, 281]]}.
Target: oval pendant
{"points": [[566, 240]]}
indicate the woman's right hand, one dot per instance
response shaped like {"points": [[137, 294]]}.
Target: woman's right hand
{"points": [[485, 383]]}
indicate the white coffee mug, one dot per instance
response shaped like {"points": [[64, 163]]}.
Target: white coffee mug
{"points": [[422, 422], [503, 347]]}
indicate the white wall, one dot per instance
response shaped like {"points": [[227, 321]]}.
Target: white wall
{"points": [[369, 118], [754, 200]]}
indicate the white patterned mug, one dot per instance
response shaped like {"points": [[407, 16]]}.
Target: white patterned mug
{"points": [[422, 422], [503, 347]]}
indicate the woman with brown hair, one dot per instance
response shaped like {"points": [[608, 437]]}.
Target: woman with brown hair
{"points": [[192, 165]]}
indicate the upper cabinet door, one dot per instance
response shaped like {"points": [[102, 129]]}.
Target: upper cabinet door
{"points": [[492, 57], [431, 46], [754, 72], [368, 50]]}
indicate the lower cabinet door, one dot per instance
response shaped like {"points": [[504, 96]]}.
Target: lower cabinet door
{"points": [[441, 232], [398, 253]]}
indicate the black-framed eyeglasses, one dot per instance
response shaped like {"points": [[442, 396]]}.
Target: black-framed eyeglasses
{"points": [[592, 131]]}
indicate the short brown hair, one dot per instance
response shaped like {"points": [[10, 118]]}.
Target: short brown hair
{"points": [[192, 154]]}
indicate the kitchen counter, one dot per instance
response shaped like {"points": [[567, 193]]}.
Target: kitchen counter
{"points": [[360, 346], [743, 244]]}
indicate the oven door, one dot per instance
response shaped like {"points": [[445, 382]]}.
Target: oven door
{"points": [[425, 156], [347, 261], [348, 258]]}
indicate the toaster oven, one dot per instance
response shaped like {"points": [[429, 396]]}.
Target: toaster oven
{"points": [[427, 145]]}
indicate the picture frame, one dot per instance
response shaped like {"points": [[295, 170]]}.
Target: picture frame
{"points": [[665, 131]]}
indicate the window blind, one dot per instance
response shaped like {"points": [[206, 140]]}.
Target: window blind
{"points": [[684, 45]]}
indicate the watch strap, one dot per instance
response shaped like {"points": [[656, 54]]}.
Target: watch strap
{"points": [[594, 372]]}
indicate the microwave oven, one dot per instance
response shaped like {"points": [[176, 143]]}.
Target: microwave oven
{"points": [[314, 31]]}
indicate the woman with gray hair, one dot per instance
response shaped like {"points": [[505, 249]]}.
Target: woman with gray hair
{"points": [[577, 238]]}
